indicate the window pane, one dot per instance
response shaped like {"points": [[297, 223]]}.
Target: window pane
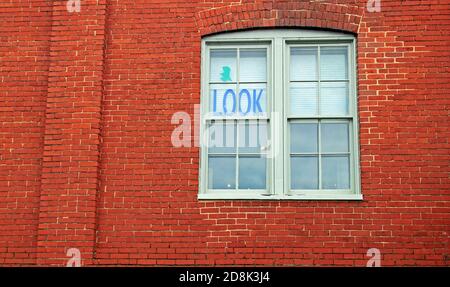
{"points": [[222, 137], [223, 65], [304, 172], [223, 99], [252, 99], [222, 172], [252, 65], [303, 138], [335, 172], [253, 136], [334, 137], [252, 172], [303, 64], [333, 63], [303, 98], [333, 98]]}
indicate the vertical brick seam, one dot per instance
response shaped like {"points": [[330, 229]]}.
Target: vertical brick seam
{"points": [[71, 140], [106, 39]]}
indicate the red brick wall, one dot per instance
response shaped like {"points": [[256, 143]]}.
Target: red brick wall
{"points": [[24, 61], [86, 158]]}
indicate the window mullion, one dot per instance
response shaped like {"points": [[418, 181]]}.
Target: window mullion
{"points": [[277, 122], [238, 56], [318, 80], [237, 156], [319, 123], [319, 147]]}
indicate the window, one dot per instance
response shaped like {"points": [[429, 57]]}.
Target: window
{"points": [[278, 116]]}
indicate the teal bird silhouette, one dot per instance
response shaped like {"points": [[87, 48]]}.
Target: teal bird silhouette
{"points": [[225, 75]]}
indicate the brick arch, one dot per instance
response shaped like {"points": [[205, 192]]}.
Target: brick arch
{"points": [[291, 14]]}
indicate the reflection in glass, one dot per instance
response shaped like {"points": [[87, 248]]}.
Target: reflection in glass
{"points": [[335, 172], [252, 172], [222, 136], [222, 172], [304, 172], [253, 135], [303, 138], [334, 137]]}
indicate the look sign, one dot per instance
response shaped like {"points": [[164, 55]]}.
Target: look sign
{"points": [[248, 99]]}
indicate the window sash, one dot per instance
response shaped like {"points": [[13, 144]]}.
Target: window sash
{"points": [[238, 154], [238, 118], [349, 118], [318, 46], [320, 154]]}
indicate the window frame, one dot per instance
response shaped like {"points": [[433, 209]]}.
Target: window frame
{"points": [[205, 105], [278, 43]]}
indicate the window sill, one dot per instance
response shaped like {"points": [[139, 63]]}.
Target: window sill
{"points": [[211, 196]]}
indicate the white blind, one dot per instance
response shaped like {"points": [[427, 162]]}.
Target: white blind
{"points": [[303, 98], [333, 98], [252, 65], [333, 63], [303, 64], [223, 65]]}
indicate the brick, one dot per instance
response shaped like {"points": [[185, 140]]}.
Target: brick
{"points": [[86, 160]]}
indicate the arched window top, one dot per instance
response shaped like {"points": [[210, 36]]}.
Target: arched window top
{"points": [[287, 33], [280, 14]]}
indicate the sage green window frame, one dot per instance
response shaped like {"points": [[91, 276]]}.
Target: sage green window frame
{"points": [[278, 43], [207, 118]]}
